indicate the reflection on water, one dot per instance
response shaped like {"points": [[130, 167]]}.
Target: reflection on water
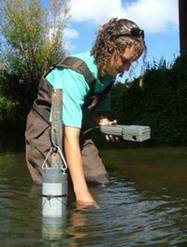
{"points": [[143, 206]]}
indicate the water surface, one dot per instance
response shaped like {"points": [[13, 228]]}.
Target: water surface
{"points": [[145, 204]]}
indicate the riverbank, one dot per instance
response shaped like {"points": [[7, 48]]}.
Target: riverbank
{"points": [[153, 155]]}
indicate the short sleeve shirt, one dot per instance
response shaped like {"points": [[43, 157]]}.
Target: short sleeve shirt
{"points": [[75, 88]]}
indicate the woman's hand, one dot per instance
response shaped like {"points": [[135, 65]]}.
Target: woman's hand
{"points": [[74, 160], [105, 121]]}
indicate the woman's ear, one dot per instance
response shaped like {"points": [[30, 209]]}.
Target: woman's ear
{"points": [[114, 58]]}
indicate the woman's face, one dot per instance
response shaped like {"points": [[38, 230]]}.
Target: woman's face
{"points": [[122, 62]]}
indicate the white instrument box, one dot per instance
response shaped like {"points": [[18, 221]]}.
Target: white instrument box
{"points": [[135, 133]]}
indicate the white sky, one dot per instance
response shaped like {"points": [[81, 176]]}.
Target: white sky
{"points": [[158, 18], [155, 16]]}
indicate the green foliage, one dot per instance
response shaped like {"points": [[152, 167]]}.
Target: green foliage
{"points": [[34, 36], [8, 111], [117, 101], [161, 102], [31, 41]]}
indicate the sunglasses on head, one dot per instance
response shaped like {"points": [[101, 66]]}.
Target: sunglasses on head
{"points": [[134, 32]]}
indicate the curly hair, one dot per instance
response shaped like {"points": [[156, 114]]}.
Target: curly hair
{"points": [[114, 37]]}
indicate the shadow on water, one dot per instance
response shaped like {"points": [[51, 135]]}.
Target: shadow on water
{"points": [[152, 169], [11, 142], [145, 204]]}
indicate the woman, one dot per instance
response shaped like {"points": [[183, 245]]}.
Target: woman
{"points": [[119, 43]]}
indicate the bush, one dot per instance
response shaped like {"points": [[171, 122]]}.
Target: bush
{"points": [[160, 103], [9, 115]]}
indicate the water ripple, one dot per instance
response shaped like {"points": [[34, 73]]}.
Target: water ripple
{"points": [[129, 216]]}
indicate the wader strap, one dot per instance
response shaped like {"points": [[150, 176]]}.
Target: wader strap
{"points": [[76, 64], [100, 96], [79, 66]]}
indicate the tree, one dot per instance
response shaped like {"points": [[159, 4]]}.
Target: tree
{"points": [[33, 35], [31, 41]]}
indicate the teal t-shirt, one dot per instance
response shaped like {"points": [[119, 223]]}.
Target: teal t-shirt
{"points": [[75, 88]]}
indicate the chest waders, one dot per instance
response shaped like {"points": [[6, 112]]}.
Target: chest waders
{"points": [[43, 142]]}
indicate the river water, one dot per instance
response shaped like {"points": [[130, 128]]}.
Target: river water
{"points": [[144, 205]]}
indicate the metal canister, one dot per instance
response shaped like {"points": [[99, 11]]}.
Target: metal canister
{"points": [[54, 192]]}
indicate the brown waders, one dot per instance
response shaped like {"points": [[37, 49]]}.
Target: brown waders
{"points": [[37, 134], [37, 137]]}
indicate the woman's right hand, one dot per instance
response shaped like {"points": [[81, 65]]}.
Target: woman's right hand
{"points": [[74, 160], [85, 200]]}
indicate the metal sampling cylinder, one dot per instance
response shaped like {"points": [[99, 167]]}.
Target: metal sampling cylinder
{"points": [[54, 192], [54, 176]]}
